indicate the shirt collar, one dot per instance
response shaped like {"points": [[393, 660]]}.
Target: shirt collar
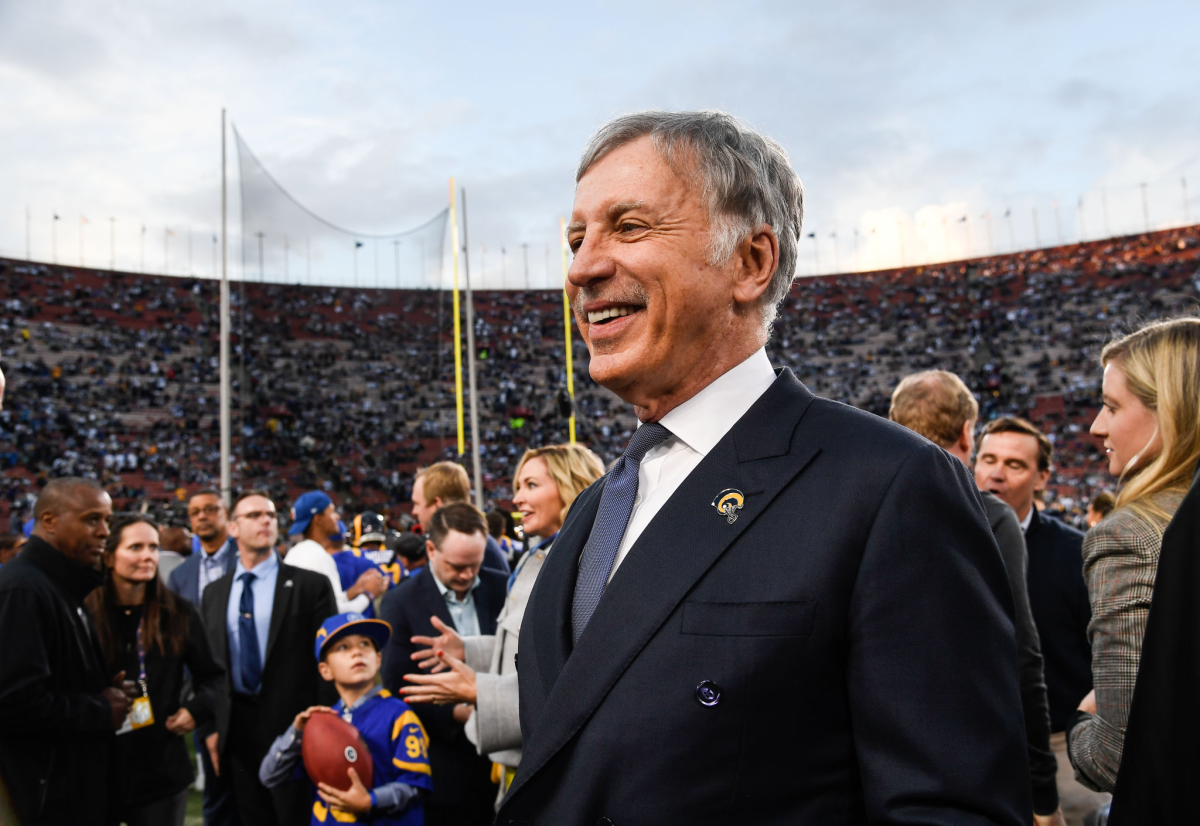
{"points": [[374, 692], [705, 418], [1028, 520], [446, 591], [265, 568]]}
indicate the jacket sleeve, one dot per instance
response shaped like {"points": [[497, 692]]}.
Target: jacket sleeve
{"points": [[208, 676], [27, 704], [175, 580], [397, 661], [931, 657], [478, 651], [1120, 557], [1043, 765], [497, 713]]}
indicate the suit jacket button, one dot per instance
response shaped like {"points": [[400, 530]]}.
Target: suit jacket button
{"points": [[708, 693]]}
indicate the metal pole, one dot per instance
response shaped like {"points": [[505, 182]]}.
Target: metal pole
{"points": [[471, 384], [562, 234], [226, 481]]}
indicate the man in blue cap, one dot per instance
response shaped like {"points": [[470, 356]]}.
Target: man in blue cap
{"points": [[348, 650], [315, 517]]}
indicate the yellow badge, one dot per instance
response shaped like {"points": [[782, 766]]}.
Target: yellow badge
{"points": [[140, 713], [728, 503]]}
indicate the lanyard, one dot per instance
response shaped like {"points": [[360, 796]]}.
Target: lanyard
{"points": [[141, 660]]}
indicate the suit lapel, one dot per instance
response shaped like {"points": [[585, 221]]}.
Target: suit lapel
{"points": [[218, 613], [759, 457], [555, 587], [435, 603], [284, 586]]}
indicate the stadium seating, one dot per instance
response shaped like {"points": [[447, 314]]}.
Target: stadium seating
{"points": [[115, 374]]}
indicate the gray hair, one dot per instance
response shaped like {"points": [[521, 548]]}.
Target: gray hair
{"points": [[747, 181]]}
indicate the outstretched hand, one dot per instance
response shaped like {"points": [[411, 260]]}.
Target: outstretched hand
{"points": [[449, 641], [456, 685]]}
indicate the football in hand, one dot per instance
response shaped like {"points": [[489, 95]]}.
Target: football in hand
{"points": [[330, 747]]}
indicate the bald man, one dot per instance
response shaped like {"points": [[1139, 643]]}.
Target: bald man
{"points": [[59, 706]]}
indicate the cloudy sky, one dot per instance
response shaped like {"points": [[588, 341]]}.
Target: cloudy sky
{"points": [[901, 118]]}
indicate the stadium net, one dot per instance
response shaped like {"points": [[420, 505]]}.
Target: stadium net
{"points": [[285, 242]]}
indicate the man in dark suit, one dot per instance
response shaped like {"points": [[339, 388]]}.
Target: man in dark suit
{"points": [[261, 620], [455, 589], [216, 557], [773, 608], [1013, 463]]}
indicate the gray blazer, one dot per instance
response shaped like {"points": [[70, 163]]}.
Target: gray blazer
{"points": [[495, 724], [1120, 560]]}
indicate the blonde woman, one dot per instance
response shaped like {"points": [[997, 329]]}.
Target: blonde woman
{"points": [[1149, 424], [482, 670]]}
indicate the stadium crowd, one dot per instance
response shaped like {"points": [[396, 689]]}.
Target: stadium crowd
{"points": [[114, 375], [183, 622]]}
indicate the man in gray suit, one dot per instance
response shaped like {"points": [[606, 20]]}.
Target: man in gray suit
{"points": [[939, 406]]}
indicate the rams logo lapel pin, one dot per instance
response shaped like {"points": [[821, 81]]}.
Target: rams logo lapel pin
{"points": [[728, 503]]}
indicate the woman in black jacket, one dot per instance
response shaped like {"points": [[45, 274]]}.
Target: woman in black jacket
{"points": [[151, 634]]}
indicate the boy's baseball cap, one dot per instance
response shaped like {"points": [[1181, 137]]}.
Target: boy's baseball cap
{"points": [[340, 625], [305, 508]]}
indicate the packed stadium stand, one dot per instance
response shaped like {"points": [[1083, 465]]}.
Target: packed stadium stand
{"points": [[115, 374]]}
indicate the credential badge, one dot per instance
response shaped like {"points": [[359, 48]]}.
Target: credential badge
{"points": [[728, 503]]}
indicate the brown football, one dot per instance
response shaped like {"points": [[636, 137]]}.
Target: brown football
{"points": [[331, 746]]}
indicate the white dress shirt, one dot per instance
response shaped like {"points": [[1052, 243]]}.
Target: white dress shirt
{"points": [[312, 556], [696, 426]]}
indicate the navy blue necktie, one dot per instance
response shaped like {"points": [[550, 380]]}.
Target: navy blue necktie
{"points": [[249, 658], [616, 506]]}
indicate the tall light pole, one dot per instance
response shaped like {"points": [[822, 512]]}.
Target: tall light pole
{"points": [[226, 479], [471, 383]]}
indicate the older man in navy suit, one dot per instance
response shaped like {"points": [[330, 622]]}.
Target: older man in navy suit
{"points": [[774, 608]]}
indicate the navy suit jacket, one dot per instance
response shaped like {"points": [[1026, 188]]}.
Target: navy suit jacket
{"points": [[185, 579], [1058, 597], [853, 627], [458, 769]]}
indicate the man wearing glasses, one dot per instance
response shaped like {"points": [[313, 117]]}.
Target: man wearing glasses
{"points": [[214, 558], [261, 619]]}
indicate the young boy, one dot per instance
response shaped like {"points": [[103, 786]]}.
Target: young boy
{"points": [[348, 650]]}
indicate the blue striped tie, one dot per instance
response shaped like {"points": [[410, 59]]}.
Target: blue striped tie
{"points": [[616, 506]]}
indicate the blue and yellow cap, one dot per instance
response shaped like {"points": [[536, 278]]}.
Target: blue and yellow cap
{"points": [[340, 625]]}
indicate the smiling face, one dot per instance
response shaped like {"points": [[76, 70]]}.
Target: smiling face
{"points": [[660, 321], [1127, 426], [537, 499], [351, 660], [135, 558]]}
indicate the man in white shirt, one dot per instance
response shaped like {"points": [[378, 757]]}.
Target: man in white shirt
{"points": [[316, 518], [773, 608]]}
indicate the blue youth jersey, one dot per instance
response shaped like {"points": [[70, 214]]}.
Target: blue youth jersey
{"points": [[399, 752], [351, 564]]}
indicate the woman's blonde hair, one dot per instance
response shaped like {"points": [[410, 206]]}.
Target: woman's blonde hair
{"points": [[572, 467], [1161, 363]]}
